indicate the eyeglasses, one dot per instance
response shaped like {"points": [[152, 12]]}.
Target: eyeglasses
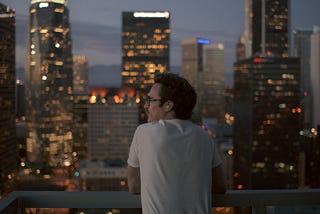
{"points": [[149, 100]]}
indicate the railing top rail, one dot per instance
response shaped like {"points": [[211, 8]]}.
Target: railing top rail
{"points": [[118, 199], [9, 204], [274, 197]]}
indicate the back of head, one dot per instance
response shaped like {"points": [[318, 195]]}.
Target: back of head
{"points": [[180, 92]]}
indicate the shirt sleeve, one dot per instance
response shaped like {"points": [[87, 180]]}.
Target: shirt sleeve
{"points": [[133, 159], [216, 159]]}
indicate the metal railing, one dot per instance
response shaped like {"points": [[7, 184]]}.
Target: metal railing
{"points": [[259, 200]]}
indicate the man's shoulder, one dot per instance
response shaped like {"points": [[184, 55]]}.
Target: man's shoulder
{"points": [[151, 125], [150, 130], [165, 124]]}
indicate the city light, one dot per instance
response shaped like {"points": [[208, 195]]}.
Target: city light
{"points": [[203, 41], [43, 5], [47, 1], [258, 60], [151, 14]]}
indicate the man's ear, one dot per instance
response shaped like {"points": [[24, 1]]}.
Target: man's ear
{"points": [[169, 106]]}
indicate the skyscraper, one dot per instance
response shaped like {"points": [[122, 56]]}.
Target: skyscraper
{"points": [[192, 66], [212, 81], [8, 142], [267, 123], [49, 83], [145, 49], [112, 118], [80, 106], [203, 67], [192, 59], [315, 76], [247, 31], [302, 49], [267, 26], [240, 49]]}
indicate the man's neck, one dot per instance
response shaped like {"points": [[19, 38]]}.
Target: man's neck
{"points": [[169, 116]]}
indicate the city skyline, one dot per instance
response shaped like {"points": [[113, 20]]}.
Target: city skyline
{"points": [[96, 28], [283, 78]]}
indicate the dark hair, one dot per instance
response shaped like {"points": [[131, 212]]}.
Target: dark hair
{"points": [[179, 91]]}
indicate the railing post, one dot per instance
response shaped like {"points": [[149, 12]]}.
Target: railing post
{"points": [[20, 209]]}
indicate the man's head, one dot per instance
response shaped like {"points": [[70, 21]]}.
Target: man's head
{"points": [[170, 97]]}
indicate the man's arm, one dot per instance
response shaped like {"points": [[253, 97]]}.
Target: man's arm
{"points": [[218, 180], [133, 179]]}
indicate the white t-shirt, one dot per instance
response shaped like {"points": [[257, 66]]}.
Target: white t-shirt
{"points": [[175, 159]]}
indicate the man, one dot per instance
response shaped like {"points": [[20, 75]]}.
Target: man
{"points": [[171, 160]]}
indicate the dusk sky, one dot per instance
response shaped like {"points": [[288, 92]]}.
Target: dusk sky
{"points": [[96, 25]]}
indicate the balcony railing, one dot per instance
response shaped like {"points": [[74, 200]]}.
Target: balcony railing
{"points": [[259, 200]]}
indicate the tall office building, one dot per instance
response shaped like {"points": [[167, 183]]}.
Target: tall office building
{"points": [[112, 118], [20, 99], [315, 76], [267, 27], [192, 59], [20, 119], [192, 67], [49, 80], [247, 31], [145, 49], [203, 67], [310, 152], [212, 83], [302, 49], [312, 147], [8, 142], [240, 49], [80, 106], [267, 123]]}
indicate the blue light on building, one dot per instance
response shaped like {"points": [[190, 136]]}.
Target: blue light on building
{"points": [[203, 41]]}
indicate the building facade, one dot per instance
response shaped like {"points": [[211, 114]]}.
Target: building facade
{"points": [[112, 119], [212, 83], [267, 123], [145, 49], [49, 80], [302, 49], [203, 67], [270, 33], [80, 106], [312, 139], [240, 49], [315, 76], [8, 142], [102, 176]]}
